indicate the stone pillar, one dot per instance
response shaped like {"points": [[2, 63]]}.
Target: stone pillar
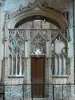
{"points": [[64, 65], [20, 65], [27, 57], [1, 58], [6, 56], [16, 63], [74, 34], [60, 65], [27, 71], [48, 70], [56, 65], [71, 43], [48, 56], [0, 44]]}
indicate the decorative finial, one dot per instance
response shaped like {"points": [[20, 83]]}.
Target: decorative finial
{"points": [[30, 4], [45, 4], [21, 7]]}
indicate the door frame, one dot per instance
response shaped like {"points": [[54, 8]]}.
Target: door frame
{"points": [[35, 56]]}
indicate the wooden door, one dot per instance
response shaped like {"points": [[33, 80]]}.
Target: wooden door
{"points": [[38, 76]]}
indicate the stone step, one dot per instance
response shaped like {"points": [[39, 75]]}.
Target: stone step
{"points": [[35, 99], [39, 99]]}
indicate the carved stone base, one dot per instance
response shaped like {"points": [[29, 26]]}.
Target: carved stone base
{"points": [[2, 88]]}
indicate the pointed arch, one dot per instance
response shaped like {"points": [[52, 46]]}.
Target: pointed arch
{"points": [[37, 11]]}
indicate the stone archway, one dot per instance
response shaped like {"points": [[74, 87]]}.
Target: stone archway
{"points": [[38, 11]]}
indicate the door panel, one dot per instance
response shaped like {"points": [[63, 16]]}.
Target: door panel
{"points": [[38, 76]]}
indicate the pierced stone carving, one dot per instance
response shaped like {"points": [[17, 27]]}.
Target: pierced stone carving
{"points": [[16, 39], [38, 42]]}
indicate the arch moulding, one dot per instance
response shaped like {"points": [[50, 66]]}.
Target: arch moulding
{"points": [[35, 11]]}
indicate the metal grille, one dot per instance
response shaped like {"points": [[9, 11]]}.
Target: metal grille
{"points": [[25, 92]]}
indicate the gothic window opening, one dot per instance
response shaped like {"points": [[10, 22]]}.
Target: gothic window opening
{"points": [[16, 51], [58, 65]]}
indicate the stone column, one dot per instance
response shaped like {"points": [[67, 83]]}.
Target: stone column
{"points": [[27, 56], [48, 56], [74, 35], [27, 71], [0, 44], [56, 65], [60, 65], [64, 65], [48, 70], [16, 62], [7, 56], [71, 43], [71, 46], [20, 72], [2, 63]]}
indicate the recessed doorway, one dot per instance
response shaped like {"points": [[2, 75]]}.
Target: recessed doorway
{"points": [[38, 76]]}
